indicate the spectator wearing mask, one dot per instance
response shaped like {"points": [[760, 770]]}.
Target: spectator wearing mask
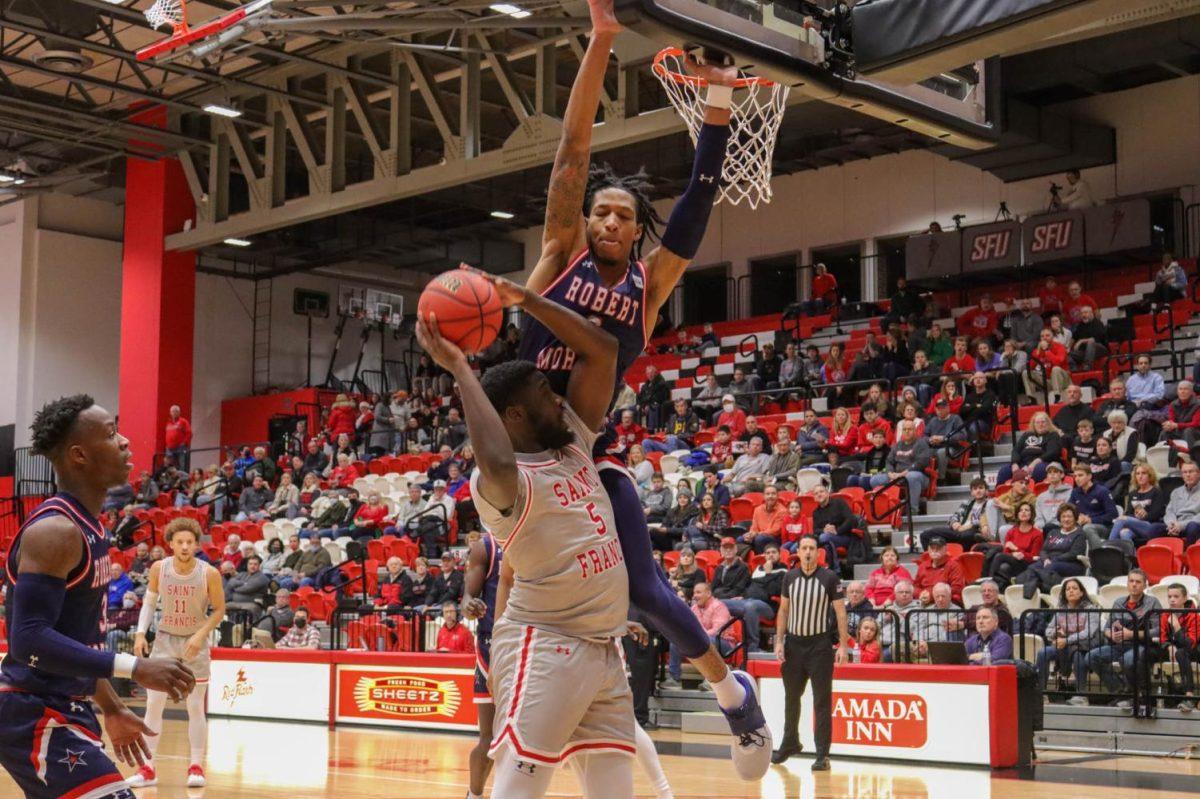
{"points": [[731, 416], [119, 623], [302, 635]]}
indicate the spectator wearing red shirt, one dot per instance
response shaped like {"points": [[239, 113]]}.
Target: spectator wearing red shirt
{"points": [[961, 360], [1178, 634], [934, 567], [881, 585], [368, 522], [794, 526], [722, 446], [865, 647], [178, 438], [1076, 299], [390, 590], [1050, 298], [732, 416], [344, 474], [342, 416], [981, 322], [871, 421], [843, 437], [1022, 543], [824, 292], [454, 637], [628, 431], [949, 393], [1054, 356]]}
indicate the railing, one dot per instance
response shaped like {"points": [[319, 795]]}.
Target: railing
{"points": [[1157, 308], [877, 494], [374, 381], [12, 516], [32, 468], [1032, 368], [1035, 622], [378, 628]]}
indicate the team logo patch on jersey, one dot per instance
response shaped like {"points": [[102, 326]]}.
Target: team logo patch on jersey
{"points": [[635, 279], [526, 768]]}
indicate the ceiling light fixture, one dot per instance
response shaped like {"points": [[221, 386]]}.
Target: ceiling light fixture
{"points": [[237, 242], [502, 214], [222, 111], [515, 12]]}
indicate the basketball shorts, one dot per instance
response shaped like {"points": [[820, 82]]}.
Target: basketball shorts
{"points": [[52, 748], [557, 695], [167, 645], [483, 665]]}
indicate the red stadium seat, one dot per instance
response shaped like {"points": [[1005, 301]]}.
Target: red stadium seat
{"points": [[1193, 559], [1157, 562], [741, 510], [670, 559], [972, 565]]}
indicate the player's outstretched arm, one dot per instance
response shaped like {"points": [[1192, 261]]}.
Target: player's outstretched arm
{"points": [[50, 549], [590, 388], [472, 606], [568, 178], [493, 449], [689, 218]]}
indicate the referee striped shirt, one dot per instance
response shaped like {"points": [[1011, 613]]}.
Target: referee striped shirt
{"points": [[810, 600]]}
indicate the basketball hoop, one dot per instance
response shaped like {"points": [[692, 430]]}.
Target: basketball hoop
{"points": [[755, 116], [167, 12]]}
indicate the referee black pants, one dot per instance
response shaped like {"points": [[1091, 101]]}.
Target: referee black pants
{"points": [[805, 659]]}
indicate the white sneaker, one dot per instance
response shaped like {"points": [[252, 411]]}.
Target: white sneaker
{"points": [[752, 743], [195, 777], [144, 777]]}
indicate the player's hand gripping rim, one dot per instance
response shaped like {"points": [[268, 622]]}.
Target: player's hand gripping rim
{"points": [[445, 353]]}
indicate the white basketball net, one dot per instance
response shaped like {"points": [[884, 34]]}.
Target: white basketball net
{"points": [[165, 12], [755, 115]]}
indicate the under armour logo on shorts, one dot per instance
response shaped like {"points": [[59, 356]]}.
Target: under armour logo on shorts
{"points": [[525, 768], [706, 178], [562, 650]]}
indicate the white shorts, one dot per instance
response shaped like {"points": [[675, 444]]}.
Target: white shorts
{"points": [[167, 645], [557, 695]]}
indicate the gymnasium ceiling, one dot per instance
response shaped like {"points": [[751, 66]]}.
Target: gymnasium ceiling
{"points": [[70, 91]]}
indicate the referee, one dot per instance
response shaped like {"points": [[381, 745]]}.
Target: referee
{"points": [[803, 648]]}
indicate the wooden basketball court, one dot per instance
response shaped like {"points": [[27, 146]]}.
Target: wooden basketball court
{"points": [[268, 760]]}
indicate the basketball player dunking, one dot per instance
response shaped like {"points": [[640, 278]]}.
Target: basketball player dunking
{"points": [[57, 576], [187, 587], [599, 225], [479, 602], [560, 690]]}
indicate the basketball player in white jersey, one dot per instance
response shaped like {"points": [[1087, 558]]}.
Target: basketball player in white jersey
{"points": [[558, 682], [188, 587]]}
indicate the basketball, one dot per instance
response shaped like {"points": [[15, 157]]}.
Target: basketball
{"points": [[468, 310]]}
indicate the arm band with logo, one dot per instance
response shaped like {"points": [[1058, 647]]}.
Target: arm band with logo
{"points": [[689, 217], [37, 603], [146, 617]]}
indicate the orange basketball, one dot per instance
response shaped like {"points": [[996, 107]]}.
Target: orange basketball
{"points": [[467, 307]]}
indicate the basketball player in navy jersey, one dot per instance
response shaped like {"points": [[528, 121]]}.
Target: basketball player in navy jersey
{"points": [[595, 226], [479, 602], [57, 576]]}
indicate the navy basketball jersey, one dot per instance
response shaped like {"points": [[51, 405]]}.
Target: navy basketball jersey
{"points": [[84, 605], [619, 310], [491, 585]]}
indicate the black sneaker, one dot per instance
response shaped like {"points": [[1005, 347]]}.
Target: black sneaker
{"points": [[784, 752], [821, 764]]}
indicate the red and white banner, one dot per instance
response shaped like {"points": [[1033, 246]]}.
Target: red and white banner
{"points": [[948, 714], [406, 696]]}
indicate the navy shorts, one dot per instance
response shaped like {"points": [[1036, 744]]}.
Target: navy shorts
{"points": [[53, 748], [483, 664]]}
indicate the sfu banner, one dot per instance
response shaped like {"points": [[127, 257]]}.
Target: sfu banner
{"points": [[932, 255], [989, 247], [1053, 237]]}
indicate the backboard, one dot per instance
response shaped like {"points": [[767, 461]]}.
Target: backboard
{"points": [[352, 301], [384, 308], [194, 38], [808, 47]]}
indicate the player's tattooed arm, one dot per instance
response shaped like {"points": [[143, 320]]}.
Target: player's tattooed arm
{"points": [[568, 179]]}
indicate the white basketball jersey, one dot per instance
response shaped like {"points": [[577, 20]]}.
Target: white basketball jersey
{"points": [[561, 539], [184, 598]]}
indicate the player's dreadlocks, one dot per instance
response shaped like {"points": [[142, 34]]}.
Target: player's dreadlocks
{"points": [[638, 185], [52, 425]]}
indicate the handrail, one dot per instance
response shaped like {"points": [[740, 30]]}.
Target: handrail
{"points": [[740, 646], [771, 393], [1013, 407], [753, 337], [1156, 308], [873, 498], [1031, 367]]}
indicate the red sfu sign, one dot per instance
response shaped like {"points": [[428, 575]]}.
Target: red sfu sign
{"points": [[866, 719], [990, 246], [1051, 236]]}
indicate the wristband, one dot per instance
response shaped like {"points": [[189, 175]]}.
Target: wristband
{"points": [[719, 96], [123, 665]]}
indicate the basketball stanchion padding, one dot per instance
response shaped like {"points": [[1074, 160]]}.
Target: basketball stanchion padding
{"points": [[468, 309], [755, 115]]}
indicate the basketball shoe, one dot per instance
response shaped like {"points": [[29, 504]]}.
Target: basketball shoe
{"points": [[752, 744], [143, 778], [195, 778]]}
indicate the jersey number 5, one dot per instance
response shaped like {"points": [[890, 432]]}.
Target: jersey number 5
{"points": [[601, 527]]}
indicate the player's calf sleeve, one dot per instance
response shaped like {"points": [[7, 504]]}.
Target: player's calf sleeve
{"points": [[155, 702], [689, 217], [648, 589], [197, 723]]}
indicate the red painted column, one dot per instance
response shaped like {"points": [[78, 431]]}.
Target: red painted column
{"points": [[158, 301]]}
